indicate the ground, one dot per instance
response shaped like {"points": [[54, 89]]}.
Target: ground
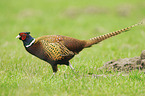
{"points": [[125, 64]]}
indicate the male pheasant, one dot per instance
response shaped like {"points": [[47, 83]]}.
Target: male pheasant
{"points": [[57, 49]]}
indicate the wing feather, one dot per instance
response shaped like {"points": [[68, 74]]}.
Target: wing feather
{"points": [[56, 50]]}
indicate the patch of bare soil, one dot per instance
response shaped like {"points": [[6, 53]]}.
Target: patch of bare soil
{"points": [[126, 64]]}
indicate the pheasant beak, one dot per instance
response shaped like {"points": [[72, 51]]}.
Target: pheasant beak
{"points": [[18, 36]]}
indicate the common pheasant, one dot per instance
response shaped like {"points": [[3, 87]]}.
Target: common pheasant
{"points": [[57, 49]]}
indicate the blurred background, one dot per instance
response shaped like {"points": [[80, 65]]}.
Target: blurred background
{"points": [[85, 18]]}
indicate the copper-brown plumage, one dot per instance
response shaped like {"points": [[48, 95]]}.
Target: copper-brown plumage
{"points": [[57, 49]]}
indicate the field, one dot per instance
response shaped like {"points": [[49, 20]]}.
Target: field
{"points": [[22, 74]]}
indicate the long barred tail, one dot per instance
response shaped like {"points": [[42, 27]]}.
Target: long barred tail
{"points": [[98, 39]]}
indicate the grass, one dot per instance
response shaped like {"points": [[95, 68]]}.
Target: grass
{"points": [[22, 74]]}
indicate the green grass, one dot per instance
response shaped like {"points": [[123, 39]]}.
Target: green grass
{"points": [[22, 74]]}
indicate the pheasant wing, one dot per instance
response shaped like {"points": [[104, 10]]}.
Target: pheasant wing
{"points": [[56, 51]]}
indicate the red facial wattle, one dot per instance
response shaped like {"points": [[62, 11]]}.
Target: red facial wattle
{"points": [[23, 36]]}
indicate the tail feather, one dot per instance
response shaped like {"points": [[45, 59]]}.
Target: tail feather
{"points": [[98, 39]]}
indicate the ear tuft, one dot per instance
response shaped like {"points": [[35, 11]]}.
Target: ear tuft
{"points": [[27, 32]]}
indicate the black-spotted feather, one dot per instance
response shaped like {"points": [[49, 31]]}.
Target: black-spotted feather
{"points": [[56, 51]]}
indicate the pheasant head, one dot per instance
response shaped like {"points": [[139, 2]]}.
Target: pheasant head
{"points": [[26, 38]]}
